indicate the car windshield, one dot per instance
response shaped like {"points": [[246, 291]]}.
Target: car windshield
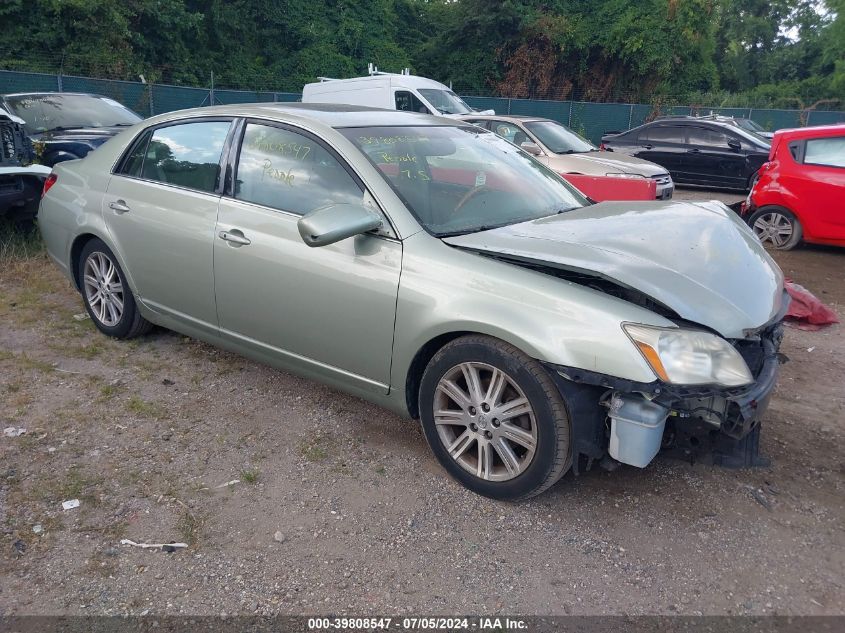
{"points": [[446, 101], [751, 126], [559, 138], [763, 144], [462, 179], [44, 112]]}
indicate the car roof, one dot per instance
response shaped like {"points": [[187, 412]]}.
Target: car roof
{"points": [[506, 117], [52, 94], [334, 115], [837, 129], [689, 121], [724, 118]]}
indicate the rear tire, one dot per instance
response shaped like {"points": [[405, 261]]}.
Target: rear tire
{"points": [[494, 419], [106, 295], [776, 227]]}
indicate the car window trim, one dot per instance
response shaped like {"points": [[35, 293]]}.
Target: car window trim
{"points": [[235, 154], [800, 149], [135, 144], [115, 171]]}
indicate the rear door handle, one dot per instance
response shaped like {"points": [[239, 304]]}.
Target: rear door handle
{"points": [[648, 146], [693, 151], [234, 237], [120, 206]]}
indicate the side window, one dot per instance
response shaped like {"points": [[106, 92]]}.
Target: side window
{"points": [[284, 170], [186, 155], [408, 102], [134, 161], [663, 134], [705, 137], [507, 131], [829, 152], [480, 123], [796, 148]]}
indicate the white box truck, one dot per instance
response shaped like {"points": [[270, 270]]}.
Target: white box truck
{"points": [[402, 91]]}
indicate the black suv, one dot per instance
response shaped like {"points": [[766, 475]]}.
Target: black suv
{"points": [[66, 125], [696, 151]]}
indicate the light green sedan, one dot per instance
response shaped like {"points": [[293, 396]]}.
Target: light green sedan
{"points": [[435, 269]]}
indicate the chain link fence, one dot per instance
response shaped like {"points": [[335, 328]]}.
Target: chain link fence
{"points": [[591, 120]]}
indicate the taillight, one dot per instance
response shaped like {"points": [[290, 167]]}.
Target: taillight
{"points": [[51, 180], [602, 147]]}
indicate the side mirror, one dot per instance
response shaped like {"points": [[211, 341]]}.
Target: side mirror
{"points": [[734, 145], [336, 222], [531, 148]]}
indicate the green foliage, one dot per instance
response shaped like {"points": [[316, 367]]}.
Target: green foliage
{"points": [[659, 50]]}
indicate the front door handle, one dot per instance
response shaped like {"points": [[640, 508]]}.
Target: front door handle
{"points": [[693, 151], [120, 206], [648, 146], [234, 237]]}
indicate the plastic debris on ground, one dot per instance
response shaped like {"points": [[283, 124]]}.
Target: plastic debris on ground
{"points": [[164, 547], [806, 312], [228, 483], [70, 504], [14, 431]]}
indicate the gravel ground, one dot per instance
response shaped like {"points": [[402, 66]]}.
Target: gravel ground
{"points": [[341, 508]]}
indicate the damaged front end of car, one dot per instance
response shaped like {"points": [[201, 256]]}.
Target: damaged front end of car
{"points": [[708, 423], [20, 179], [720, 301]]}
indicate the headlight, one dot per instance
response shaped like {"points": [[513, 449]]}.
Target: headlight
{"points": [[621, 175], [689, 357]]}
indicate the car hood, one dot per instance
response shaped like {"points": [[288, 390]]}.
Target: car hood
{"points": [[95, 135], [698, 259], [601, 163]]}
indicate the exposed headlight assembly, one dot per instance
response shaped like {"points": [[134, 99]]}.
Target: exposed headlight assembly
{"points": [[689, 357]]}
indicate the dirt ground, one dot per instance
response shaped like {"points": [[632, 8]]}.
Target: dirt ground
{"points": [[341, 508]]}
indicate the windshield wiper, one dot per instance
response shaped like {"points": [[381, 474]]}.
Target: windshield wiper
{"points": [[475, 229]]}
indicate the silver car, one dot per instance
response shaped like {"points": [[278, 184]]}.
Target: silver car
{"points": [[433, 268]]}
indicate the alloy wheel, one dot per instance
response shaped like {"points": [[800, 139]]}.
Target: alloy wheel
{"points": [[774, 228], [103, 288], [485, 421]]}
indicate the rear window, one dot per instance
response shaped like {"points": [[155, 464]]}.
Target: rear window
{"points": [[825, 151], [186, 155]]}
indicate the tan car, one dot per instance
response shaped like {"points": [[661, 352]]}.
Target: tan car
{"points": [[431, 267], [567, 152]]}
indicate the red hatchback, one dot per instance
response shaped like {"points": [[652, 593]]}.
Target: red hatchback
{"points": [[800, 192]]}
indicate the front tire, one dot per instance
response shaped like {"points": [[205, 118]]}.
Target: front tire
{"points": [[107, 297], [776, 227], [494, 419]]}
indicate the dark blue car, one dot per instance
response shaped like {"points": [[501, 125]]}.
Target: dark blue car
{"points": [[65, 125]]}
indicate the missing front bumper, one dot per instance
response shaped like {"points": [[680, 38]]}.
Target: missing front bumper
{"points": [[711, 424]]}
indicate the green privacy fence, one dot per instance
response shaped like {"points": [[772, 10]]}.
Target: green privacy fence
{"points": [[591, 120]]}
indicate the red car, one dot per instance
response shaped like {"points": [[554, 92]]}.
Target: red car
{"points": [[800, 193]]}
